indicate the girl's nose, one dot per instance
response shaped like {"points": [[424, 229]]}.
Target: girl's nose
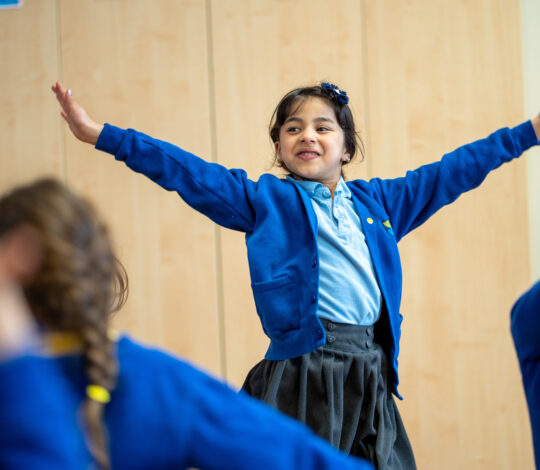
{"points": [[307, 136]]}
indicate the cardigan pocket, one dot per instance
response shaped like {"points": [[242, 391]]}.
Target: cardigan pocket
{"points": [[278, 305]]}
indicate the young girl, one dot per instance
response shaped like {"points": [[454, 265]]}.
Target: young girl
{"points": [[24, 442], [323, 257], [142, 408]]}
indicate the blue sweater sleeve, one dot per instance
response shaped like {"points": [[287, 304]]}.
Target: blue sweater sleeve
{"points": [[38, 429], [222, 195], [412, 199], [196, 421], [232, 430]]}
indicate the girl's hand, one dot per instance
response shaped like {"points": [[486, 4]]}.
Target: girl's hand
{"points": [[536, 124], [82, 126]]}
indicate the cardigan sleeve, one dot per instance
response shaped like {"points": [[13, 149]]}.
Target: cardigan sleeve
{"points": [[228, 429], [222, 195], [196, 421], [412, 199]]}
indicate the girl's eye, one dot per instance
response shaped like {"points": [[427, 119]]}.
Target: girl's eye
{"points": [[323, 129], [293, 129]]}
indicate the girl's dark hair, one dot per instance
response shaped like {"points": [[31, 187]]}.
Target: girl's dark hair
{"points": [[79, 284], [294, 99]]}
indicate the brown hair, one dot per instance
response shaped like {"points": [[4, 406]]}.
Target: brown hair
{"points": [[294, 99], [79, 284]]}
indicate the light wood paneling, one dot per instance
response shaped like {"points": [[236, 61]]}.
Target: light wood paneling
{"points": [[144, 64], [29, 144], [530, 33], [424, 76], [261, 50], [439, 75]]}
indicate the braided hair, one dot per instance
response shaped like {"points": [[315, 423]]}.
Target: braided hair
{"points": [[79, 284]]}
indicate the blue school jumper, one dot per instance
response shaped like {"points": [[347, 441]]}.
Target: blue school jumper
{"points": [[165, 414], [38, 426], [281, 225], [525, 323]]}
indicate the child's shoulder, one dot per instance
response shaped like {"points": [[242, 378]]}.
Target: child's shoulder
{"points": [[155, 361], [270, 184], [362, 188], [133, 350], [525, 321]]}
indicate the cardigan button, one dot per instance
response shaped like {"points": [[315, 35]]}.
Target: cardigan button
{"points": [[319, 334], [313, 298], [314, 263], [369, 220]]}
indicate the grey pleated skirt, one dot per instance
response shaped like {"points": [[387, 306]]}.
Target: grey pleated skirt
{"points": [[340, 391]]}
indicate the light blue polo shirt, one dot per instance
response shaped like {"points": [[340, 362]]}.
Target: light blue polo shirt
{"points": [[348, 288]]}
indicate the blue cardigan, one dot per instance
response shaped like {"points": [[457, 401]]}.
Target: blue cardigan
{"points": [[525, 324], [38, 428], [164, 414], [281, 226]]}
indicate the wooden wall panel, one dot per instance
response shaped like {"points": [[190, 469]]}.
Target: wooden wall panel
{"points": [[530, 33], [261, 50], [29, 144], [144, 65], [439, 75]]}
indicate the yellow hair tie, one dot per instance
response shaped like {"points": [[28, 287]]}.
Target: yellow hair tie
{"points": [[98, 393]]}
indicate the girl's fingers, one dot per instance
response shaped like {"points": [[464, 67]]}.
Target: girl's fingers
{"points": [[60, 92], [59, 96]]}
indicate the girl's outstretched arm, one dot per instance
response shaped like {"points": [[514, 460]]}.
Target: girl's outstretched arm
{"points": [[82, 126], [412, 199], [225, 196]]}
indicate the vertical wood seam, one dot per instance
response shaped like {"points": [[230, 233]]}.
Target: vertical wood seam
{"points": [[213, 152], [365, 91], [61, 132]]}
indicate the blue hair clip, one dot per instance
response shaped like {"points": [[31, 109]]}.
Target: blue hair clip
{"points": [[335, 92]]}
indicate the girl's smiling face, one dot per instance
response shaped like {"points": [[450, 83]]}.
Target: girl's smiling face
{"points": [[311, 143]]}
